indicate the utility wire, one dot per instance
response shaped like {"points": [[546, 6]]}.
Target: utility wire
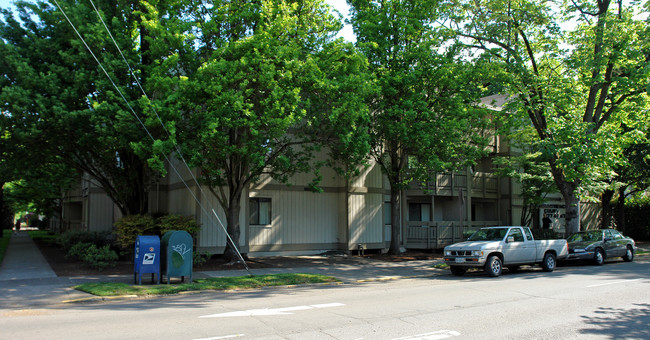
{"points": [[147, 130]]}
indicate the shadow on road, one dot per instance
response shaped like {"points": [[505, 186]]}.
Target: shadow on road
{"points": [[619, 323]]}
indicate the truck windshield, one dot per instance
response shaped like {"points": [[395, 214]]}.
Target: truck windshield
{"points": [[489, 234]]}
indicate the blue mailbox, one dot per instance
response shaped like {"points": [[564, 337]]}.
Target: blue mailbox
{"points": [[177, 257], [147, 257]]}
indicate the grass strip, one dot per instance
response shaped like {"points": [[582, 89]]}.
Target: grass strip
{"points": [[4, 242], [42, 235], [220, 283]]}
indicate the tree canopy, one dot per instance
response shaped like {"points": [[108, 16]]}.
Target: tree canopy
{"points": [[57, 93], [577, 70], [424, 117]]}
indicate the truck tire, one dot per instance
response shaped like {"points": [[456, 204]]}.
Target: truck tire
{"points": [[493, 266], [457, 270], [548, 263]]}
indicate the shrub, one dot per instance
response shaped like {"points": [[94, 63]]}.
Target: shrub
{"points": [[100, 257], [68, 239], [129, 227], [545, 234], [177, 222], [97, 257], [201, 259], [78, 251]]}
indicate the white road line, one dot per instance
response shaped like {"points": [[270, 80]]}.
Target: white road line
{"points": [[271, 311], [222, 337], [612, 283], [443, 334]]}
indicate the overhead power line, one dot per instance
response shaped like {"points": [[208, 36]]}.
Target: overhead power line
{"points": [[178, 151]]}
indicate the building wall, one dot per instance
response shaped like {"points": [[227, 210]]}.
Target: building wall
{"points": [[346, 215]]}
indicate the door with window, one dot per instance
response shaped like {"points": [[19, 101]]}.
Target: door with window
{"points": [[517, 249]]}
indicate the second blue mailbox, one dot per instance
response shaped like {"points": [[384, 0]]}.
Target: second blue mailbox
{"points": [[147, 257]]}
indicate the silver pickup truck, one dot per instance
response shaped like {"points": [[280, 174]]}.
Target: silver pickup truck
{"points": [[493, 248]]}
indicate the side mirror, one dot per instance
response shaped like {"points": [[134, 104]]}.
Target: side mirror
{"points": [[607, 239], [510, 239]]}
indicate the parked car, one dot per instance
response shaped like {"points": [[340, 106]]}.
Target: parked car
{"points": [[493, 248], [598, 245]]}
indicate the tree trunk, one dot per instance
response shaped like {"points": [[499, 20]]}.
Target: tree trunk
{"points": [[572, 213], [606, 208], [232, 253], [620, 210], [395, 220], [571, 199]]}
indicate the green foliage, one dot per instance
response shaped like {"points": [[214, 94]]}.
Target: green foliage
{"points": [[424, 115], [129, 227], [533, 172], [44, 236], [97, 257], [69, 239], [267, 96], [577, 72], [78, 251], [177, 222], [545, 234], [200, 258], [51, 86], [100, 257]]}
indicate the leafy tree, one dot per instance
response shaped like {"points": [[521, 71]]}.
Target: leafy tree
{"points": [[423, 118], [573, 82], [271, 88], [52, 87]]}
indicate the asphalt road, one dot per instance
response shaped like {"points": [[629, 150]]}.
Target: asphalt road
{"points": [[574, 302]]}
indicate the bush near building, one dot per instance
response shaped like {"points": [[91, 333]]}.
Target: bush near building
{"points": [[637, 225]]}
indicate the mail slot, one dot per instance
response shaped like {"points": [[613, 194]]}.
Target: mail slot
{"points": [[147, 258], [177, 256]]}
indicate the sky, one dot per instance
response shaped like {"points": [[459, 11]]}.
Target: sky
{"points": [[339, 5]]}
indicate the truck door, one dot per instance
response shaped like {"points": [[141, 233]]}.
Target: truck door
{"points": [[516, 249]]}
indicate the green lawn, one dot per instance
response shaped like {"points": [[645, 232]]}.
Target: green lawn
{"points": [[221, 283]]}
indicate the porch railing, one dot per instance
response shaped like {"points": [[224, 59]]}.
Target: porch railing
{"points": [[436, 234]]}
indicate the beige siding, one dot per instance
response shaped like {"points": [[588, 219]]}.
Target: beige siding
{"points": [[211, 234], [101, 212], [365, 219], [298, 217], [370, 177]]}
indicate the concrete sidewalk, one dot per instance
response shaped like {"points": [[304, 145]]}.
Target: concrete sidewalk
{"points": [[27, 281]]}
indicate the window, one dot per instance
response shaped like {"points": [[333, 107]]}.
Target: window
{"points": [[260, 211], [419, 212], [529, 235], [387, 214], [616, 235], [516, 234]]}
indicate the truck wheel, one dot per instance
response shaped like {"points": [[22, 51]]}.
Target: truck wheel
{"points": [[599, 257], [548, 264], [493, 266], [629, 254], [458, 271]]}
